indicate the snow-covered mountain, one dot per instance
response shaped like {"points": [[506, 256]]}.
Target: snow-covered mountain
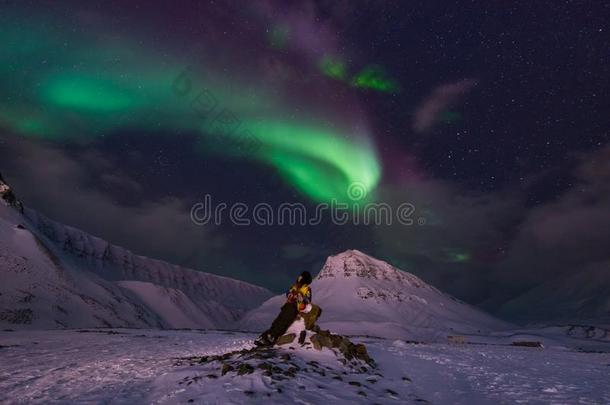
{"points": [[359, 294], [56, 276]]}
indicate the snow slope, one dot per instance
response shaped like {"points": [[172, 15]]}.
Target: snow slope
{"points": [[56, 276], [173, 306], [142, 367], [361, 295]]}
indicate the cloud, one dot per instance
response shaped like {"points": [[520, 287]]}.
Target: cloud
{"points": [[558, 238], [489, 248], [74, 190], [460, 240], [428, 112], [557, 264], [307, 29]]}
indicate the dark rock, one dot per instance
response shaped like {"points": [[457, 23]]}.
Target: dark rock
{"points": [[324, 332], [22, 316], [360, 349], [316, 342], [362, 354], [346, 349], [528, 344], [245, 368], [362, 393], [336, 340], [391, 392], [325, 341], [226, 368], [355, 383], [285, 339], [320, 371], [291, 372]]}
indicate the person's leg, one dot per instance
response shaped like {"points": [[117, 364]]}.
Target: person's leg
{"points": [[312, 316], [283, 321]]}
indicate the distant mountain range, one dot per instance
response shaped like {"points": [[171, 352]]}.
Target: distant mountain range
{"points": [[56, 276]]}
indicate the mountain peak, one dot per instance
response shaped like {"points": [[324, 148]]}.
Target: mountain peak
{"points": [[357, 265], [361, 295]]}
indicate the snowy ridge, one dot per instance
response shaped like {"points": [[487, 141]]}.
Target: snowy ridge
{"points": [[361, 295], [118, 263], [174, 307], [56, 276]]}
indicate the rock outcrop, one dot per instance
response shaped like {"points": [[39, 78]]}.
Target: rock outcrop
{"points": [[281, 367], [312, 336]]}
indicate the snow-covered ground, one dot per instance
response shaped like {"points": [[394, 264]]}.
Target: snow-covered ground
{"points": [[142, 366]]}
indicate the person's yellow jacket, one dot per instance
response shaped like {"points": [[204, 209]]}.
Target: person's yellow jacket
{"points": [[299, 294]]}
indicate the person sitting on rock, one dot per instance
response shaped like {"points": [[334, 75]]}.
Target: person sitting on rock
{"points": [[297, 299]]}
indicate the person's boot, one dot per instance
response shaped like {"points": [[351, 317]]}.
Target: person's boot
{"points": [[264, 340]]}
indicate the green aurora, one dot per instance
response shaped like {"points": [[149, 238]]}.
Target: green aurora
{"points": [[370, 77], [374, 77], [333, 68], [67, 88]]}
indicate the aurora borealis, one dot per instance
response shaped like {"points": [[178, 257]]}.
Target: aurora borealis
{"points": [[96, 95], [117, 117]]}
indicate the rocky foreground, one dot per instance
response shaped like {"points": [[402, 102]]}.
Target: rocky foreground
{"points": [[292, 366]]}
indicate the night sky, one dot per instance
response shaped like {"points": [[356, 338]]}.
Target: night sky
{"points": [[491, 118]]}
